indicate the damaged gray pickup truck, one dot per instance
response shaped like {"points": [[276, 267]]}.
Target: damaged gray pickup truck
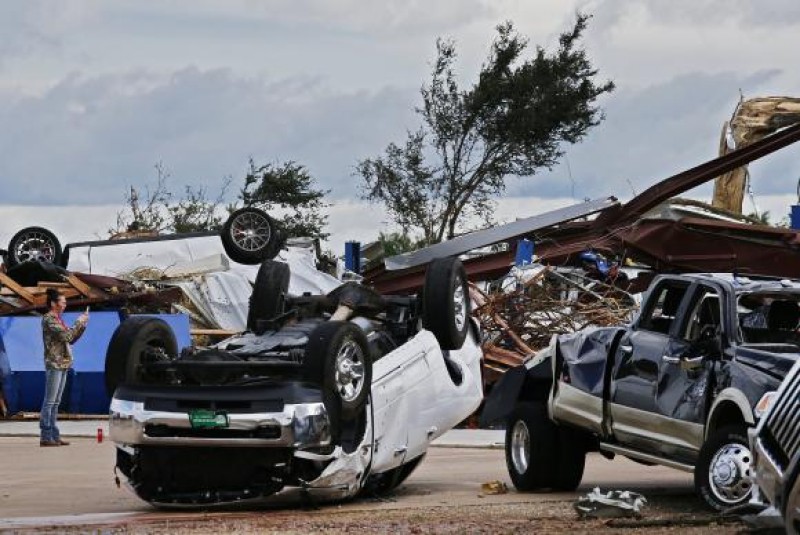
{"points": [[679, 386]]}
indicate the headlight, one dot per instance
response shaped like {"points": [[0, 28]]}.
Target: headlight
{"points": [[764, 404]]}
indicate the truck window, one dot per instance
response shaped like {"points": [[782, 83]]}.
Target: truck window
{"points": [[704, 315], [663, 307], [766, 318]]}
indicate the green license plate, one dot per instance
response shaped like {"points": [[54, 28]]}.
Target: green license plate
{"points": [[203, 419]]}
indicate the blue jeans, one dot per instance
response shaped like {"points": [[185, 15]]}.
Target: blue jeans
{"points": [[53, 390]]}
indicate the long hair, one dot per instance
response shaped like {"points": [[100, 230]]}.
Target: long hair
{"points": [[52, 296]]}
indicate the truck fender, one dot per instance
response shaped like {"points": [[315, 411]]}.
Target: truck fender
{"points": [[724, 399], [522, 382]]}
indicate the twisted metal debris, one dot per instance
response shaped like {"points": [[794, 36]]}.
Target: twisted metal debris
{"points": [[520, 313]]}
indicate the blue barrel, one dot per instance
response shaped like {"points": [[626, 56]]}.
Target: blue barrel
{"points": [[795, 217]]}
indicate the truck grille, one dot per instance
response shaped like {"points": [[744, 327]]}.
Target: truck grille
{"points": [[783, 424]]}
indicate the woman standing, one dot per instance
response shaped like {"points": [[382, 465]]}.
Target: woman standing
{"points": [[57, 361]]}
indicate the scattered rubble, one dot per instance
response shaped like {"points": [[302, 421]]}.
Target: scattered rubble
{"points": [[614, 503], [536, 302]]}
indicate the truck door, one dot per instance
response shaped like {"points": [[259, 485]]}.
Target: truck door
{"points": [[686, 368], [637, 364]]}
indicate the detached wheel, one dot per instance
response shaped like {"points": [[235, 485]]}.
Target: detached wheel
{"points": [[250, 236], [722, 475], [34, 243], [531, 440], [134, 342], [269, 292], [445, 302], [337, 357]]}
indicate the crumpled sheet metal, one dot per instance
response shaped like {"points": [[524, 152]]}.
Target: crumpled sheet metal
{"points": [[585, 354], [611, 504]]}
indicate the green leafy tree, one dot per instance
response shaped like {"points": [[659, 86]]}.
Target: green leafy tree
{"points": [[395, 243], [287, 188], [515, 120], [195, 212]]}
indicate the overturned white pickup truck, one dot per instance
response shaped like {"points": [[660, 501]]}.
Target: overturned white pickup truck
{"points": [[332, 393]]}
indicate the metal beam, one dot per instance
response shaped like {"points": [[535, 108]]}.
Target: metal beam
{"points": [[483, 238]]}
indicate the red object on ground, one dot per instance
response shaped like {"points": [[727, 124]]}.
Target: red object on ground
{"points": [[99, 435]]}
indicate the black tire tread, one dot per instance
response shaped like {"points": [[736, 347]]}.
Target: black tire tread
{"points": [[737, 432], [437, 299], [320, 354], [237, 254], [122, 346], [267, 299], [11, 260], [542, 468]]}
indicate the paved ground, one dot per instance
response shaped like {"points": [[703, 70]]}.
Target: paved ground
{"points": [[73, 488]]}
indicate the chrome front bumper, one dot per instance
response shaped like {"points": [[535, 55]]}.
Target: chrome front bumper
{"points": [[302, 425], [768, 476]]}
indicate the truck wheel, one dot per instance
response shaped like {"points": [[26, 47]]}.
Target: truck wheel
{"points": [[337, 357], [269, 292], [250, 236], [571, 459], [722, 475], [134, 341], [33, 243], [445, 302], [531, 440]]}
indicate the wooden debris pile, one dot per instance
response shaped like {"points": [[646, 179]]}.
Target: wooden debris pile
{"points": [[520, 315], [23, 290]]}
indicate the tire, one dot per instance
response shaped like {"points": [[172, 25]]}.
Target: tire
{"points": [[127, 348], [531, 441], [34, 243], [445, 302], [728, 450], [571, 459], [269, 292], [336, 353], [251, 236]]}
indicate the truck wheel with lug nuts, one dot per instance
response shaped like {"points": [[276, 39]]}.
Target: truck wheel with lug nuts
{"points": [[531, 440], [722, 475], [34, 243], [250, 236], [445, 302], [337, 357]]}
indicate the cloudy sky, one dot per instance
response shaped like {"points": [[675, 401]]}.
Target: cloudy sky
{"points": [[94, 93]]}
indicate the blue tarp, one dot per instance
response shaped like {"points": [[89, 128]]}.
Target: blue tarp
{"points": [[21, 338]]}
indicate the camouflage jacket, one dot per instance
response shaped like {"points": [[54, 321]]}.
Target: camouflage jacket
{"points": [[57, 339]]}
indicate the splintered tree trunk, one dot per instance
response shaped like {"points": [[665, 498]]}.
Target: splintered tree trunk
{"points": [[754, 119], [729, 188]]}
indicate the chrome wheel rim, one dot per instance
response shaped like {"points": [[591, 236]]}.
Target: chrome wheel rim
{"points": [[251, 231], [349, 375], [35, 246], [520, 447], [730, 473], [459, 304]]}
